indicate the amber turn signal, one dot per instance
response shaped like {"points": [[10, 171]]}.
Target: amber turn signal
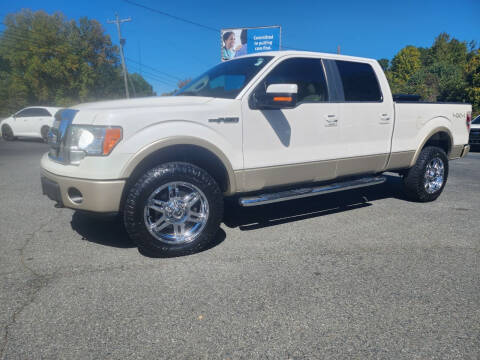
{"points": [[112, 137], [282, 98]]}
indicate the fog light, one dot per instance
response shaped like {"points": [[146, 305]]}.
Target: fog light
{"points": [[75, 195]]}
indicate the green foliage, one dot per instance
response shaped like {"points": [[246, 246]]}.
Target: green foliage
{"points": [[472, 69], [447, 71], [48, 60], [405, 64], [385, 64]]}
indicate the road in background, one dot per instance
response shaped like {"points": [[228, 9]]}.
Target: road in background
{"points": [[361, 274]]}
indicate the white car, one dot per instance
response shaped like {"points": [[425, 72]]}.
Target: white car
{"points": [[29, 122]]}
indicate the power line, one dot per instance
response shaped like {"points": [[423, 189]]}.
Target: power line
{"points": [[151, 68], [206, 27], [153, 73], [148, 74]]}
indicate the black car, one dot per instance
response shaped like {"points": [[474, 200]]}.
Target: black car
{"points": [[474, 139]]}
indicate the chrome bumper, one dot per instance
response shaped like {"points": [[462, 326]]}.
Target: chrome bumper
{"points": [[80, 194]]}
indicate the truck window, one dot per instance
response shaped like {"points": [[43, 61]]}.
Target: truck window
{"points": [[307, 73], [359, 81]]}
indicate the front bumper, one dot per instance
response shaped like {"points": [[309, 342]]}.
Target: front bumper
{"points": [[102, 196]]}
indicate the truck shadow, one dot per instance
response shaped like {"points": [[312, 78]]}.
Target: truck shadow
{"points": [[111, 232], [103, 231], [290, 211]]}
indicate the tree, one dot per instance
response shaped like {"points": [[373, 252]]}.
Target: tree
{"points": [[446, 71], [384, 63], [472, 69], [47, 60], [139, 86], [406, 63]]}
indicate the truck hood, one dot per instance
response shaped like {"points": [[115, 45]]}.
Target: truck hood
{"points": [[144, 103]]}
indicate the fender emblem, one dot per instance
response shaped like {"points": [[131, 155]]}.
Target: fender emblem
{"points": [[225, 120]]}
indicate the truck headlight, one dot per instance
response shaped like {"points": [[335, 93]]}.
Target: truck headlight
{"points": [[88, 140]]}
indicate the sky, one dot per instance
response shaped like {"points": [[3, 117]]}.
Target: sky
{"points": [[164, 49]]}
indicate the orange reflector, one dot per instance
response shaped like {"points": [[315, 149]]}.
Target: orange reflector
{"points": [[282, 98], [112, 137]]}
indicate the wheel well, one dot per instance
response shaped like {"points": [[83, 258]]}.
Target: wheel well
{"points": [[440, 139], [192, 154]]}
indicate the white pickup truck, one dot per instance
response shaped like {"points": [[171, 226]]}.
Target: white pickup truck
{"points": [[263, 128]]}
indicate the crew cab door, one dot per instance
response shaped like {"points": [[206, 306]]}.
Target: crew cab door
{"points": [[366, 116], [291, 145]]}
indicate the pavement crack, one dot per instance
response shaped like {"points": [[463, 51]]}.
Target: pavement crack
{"points": [[38, 283]]}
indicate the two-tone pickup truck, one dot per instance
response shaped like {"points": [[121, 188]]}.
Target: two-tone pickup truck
{"points": [[263, 128]]}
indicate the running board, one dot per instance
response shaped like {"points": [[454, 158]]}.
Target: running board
{"points": [[269, 198]]}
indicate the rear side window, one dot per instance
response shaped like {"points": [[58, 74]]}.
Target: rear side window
{"points": [[359, 81], [39, 112], [307, 73], [31, 112]]}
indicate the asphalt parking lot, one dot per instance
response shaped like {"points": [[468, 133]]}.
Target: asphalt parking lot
{"points": [[360, 274]]}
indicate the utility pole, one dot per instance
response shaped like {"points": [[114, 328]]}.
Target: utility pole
{"points": [[122, 42]]}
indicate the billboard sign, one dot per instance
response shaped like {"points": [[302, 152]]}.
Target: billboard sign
{"points": [[243, 41]]}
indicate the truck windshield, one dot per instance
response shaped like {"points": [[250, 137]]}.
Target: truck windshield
{"points": [[227, 79], [476, 120]]}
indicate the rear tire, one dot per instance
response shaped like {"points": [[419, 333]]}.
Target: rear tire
{"points": [[44, 132], [7, 133], [426, 180], [174, 209]]}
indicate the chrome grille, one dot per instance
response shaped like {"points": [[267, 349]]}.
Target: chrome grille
{"points": [[58, 134]]}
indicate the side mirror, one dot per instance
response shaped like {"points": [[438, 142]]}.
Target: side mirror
{"points": [[278, 96]]}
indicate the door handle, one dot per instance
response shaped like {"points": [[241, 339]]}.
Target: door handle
{"points": [[384, 117], [331, 118]]}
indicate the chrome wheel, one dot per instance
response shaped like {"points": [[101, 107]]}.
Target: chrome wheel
{"points": [[176, 213], [434, 175]]}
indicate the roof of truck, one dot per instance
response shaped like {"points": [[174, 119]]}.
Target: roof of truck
{"points": [[309, 53]]}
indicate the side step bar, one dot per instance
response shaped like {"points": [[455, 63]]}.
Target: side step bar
{"points": [[269, 198]]}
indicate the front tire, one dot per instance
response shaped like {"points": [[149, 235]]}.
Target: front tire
{"points": [[7, 133], [174, 209], [426, 180]]}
